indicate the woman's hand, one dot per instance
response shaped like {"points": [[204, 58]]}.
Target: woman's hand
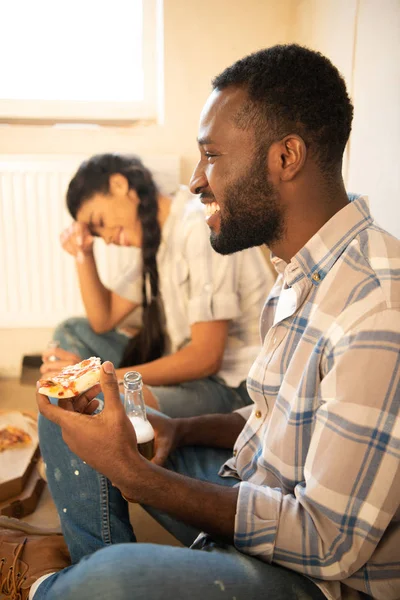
{"points": [[77, 240], [51, 366], [106, 441]]}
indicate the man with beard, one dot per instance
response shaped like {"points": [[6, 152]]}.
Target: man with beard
{"points": [[306, 503]]}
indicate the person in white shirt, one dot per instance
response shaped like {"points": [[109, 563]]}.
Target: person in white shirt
{"points": [[198, 311]]}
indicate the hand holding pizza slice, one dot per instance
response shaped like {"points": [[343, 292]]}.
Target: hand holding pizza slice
{"points": [[72, 380]]}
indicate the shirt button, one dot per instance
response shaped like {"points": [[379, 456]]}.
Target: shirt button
{"points": [[274, 341], [316, 276], [234, 452], [258, 414]]}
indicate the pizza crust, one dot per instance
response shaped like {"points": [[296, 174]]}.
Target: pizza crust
{"points": [[72, 381]]}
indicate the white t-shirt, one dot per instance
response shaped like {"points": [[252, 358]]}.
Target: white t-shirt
{"points": [[197, 284]]}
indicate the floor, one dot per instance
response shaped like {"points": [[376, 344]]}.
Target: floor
{"points": [[17, 396]]}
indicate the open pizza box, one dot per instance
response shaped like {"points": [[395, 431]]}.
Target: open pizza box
{"points": [[20, 482]]}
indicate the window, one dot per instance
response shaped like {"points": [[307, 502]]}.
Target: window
{"points": [[79, 60]]}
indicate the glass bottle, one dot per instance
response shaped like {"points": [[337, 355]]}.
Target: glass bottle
{"points": [[135, 408]]}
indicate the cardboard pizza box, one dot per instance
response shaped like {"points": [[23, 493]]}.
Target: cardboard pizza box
{"points": [[26, 502], [16, 464]]}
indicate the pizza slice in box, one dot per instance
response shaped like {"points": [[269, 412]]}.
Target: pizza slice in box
{"points": [[13, 437], [72, 381]]}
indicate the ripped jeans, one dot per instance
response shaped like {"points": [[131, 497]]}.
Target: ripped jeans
{"points": [[108, 563]]}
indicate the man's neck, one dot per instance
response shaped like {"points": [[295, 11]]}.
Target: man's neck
{"points": [[305, 214]]}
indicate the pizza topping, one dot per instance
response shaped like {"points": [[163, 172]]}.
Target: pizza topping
{"points": [[46, 383], [69, 375], [68, 382], [11, 436]]}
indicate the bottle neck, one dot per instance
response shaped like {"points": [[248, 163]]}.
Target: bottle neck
{"points": [[134, 402]]}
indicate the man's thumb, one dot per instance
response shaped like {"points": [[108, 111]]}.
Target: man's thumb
{"points": [[160, 455], [109, 385]]}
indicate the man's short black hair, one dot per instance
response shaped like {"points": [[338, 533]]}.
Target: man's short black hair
{"points": [[293, 89]]}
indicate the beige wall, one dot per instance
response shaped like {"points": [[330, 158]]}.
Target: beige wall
{"points": [[201, 38]]}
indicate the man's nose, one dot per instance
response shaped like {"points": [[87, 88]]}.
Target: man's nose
{"points": [[198, 181]]}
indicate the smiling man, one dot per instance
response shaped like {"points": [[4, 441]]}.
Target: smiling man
{"points": [[233, 174], [298, 495]]}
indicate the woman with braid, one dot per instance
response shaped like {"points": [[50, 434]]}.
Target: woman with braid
{"points": [[198, 310]]}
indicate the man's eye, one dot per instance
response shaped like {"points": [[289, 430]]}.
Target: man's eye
{"points": [[209, 155]]}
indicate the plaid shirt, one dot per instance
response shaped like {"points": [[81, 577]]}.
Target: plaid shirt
{"points": [[318, 458]]}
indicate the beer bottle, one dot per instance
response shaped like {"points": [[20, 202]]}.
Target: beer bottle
{"points": [[136, 410]]}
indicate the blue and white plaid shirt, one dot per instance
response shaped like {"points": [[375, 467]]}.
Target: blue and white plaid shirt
{"points": [[318, 458]]}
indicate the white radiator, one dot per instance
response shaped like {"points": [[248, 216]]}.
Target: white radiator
{"points": [[38, 284]]}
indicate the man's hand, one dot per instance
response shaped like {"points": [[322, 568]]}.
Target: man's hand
{"points": [[51, 367], [77, 240], [166, 436], [85, 404], [106, 441]]}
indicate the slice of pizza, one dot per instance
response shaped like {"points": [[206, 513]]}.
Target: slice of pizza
{"points": [[12, 437], [73, 380]]}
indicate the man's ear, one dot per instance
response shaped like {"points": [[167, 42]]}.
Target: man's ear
{"points": [[118, 184], [287, 157]]}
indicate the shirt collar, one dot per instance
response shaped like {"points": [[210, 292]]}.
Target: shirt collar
{"points": [[321, 252]]}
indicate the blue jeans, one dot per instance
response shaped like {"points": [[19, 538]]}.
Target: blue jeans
{"points": [[108, 564], [203, 396], [77, 336]]}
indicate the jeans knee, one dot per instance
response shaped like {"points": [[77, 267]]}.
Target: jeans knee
{"points": [[71, 326]]}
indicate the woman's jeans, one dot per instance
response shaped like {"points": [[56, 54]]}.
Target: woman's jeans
{"points": [[108, 563], [200, 397]]}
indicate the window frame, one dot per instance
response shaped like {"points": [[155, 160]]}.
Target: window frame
{"points": [[60, 111]]}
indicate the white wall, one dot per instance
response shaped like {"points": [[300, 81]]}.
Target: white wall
{"points": [[201, 38], [374, 166], [362, 38]]}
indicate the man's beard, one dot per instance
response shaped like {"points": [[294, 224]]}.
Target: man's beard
{"points": [[251, 213]]}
